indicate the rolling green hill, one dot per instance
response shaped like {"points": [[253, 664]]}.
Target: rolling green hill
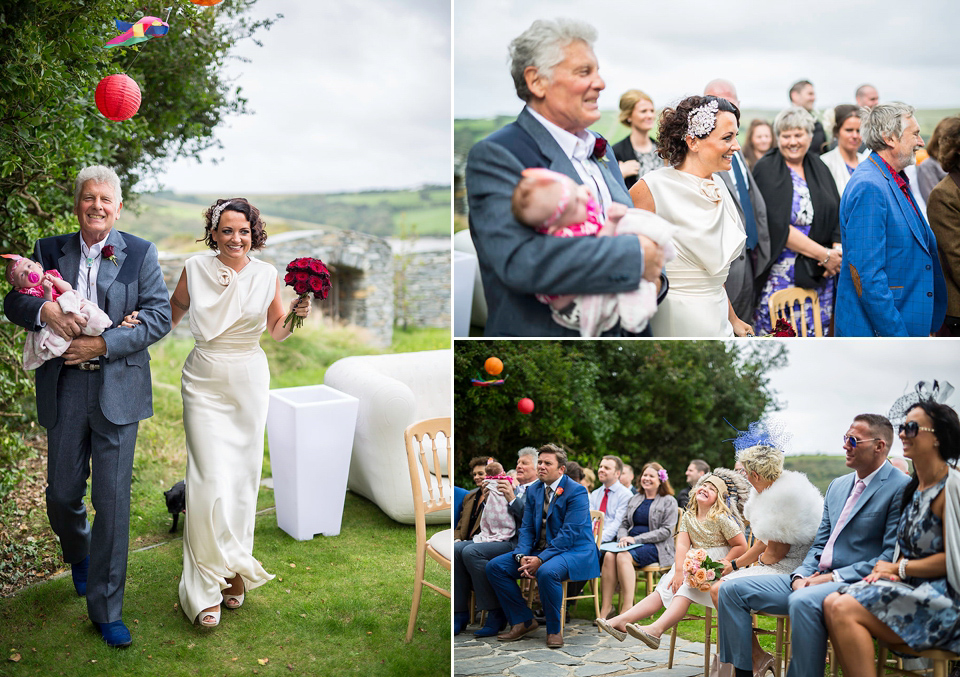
{"points": [[175, 221]]}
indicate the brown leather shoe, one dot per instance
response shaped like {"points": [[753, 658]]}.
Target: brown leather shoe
{"points": [[554, 641], [518, 631]]}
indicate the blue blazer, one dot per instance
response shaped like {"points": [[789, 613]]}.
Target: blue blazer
{"points": [[569, 530], [870, 533], [891, 283], [516, 262], [135, 283]]}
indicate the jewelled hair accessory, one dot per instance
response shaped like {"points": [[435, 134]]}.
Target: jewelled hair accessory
{"points": [[702, 119], [217, 211]]}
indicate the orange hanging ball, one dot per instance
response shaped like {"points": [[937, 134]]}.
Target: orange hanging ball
{"points": [[493, 365], [206, 3], [118, 97], [525, 406]]}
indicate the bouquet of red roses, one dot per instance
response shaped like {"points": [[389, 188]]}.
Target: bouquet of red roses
{"points": [[306, 276]]}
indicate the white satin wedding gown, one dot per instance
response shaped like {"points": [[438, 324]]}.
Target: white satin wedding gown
{"points": [[711, 236], [225, 387]]}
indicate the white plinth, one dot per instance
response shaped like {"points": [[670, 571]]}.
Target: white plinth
{"points": [[464, 272], [310, 430]]}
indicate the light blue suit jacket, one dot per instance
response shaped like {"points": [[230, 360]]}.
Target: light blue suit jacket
{"points": [[569, 530], [870, 533], [891, 283]]}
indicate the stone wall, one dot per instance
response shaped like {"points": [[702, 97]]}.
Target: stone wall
{"points": [[363, 270]]}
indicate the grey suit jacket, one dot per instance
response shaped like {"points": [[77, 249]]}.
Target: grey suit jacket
{"points": [[663, 519], [515, 261], [741, 281], [870, 533], [134, 283]]}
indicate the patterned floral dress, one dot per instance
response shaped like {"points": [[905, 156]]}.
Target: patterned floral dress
{"points": [[781, 273], [924, 612]]}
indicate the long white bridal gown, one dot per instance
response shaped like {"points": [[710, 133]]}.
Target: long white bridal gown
{"points": [[225, 388]]}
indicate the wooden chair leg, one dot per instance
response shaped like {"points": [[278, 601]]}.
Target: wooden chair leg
{"points": [[417, 591], [595, 584], [673, 643], [563, 607], [939, 667], [707, 639], [881, 659]]}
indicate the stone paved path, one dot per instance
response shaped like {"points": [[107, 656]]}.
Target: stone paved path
{"points": [[586, 652]]}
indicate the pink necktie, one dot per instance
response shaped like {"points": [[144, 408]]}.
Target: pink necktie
{"points": [[826, 558]]}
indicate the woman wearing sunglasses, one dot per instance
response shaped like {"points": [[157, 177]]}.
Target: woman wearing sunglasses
{"points": [[915, 599]]}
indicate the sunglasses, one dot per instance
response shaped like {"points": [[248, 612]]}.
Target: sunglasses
{"points": [[910, 430], [853, 441]]}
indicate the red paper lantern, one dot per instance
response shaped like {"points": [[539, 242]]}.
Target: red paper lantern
{"points": [[525, 406], [118, 97]]}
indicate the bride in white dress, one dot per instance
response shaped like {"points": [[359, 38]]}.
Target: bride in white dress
{"points": [[233, 299], [697, 138]]}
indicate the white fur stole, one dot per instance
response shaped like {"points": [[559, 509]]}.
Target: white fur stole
{"points": [[788, 511]]}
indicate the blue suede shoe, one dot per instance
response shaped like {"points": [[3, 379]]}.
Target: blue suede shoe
{"points": [[79, 573], [460, 621], [496, 621], [114, 634]]}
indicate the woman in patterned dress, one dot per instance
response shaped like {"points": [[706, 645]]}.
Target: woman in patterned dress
{"points": [[637, 153], [803, 212], [914, 600]]}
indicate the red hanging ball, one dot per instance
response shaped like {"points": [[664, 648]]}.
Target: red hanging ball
{"points": [[118, 97], [525, 406]]}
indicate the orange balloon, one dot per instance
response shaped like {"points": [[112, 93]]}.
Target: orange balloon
{"points": [[493, 365]]}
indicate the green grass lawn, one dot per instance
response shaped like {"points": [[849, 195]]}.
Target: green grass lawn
{"points": [[338, 606]]}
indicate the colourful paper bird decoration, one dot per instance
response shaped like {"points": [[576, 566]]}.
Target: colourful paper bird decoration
{"points": [[141, 31]]}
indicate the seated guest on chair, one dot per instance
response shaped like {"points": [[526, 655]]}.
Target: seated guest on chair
{"points": [[556, 544], [860, 515], [469, 523], [470, 558], [555, 73]]}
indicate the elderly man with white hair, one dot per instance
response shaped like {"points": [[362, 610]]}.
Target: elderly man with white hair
{"points": [[891, 283], [556, 74]]}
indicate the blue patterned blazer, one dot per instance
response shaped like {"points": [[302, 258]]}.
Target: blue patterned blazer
{"points": [[891, 283]]}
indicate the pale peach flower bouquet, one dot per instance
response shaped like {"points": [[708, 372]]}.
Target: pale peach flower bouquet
{"points": [[699, 570]]}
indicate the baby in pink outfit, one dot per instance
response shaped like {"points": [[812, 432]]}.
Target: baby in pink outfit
{"points": [[554, 204], [496, 522], [28, 277]]}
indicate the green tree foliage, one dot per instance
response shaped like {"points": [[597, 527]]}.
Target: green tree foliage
{"points": [[642, 400], [51, 60]]}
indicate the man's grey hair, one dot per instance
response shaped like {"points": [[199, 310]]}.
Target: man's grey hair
{"points": [[723, 89], [542, 47], [97, 174], [883, 121], [528, 451], [794, 117]]}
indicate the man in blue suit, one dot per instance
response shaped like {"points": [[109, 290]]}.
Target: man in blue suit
{"points": [[551, 131], [859, 526], [555, 544], [92, 399], [891, 283]]}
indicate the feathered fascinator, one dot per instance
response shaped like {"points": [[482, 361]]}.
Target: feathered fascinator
{"points": [[938, 391], [765, 432]]}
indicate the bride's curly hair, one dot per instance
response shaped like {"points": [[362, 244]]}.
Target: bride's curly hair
{"points": [[258, 235], [672, 131]]}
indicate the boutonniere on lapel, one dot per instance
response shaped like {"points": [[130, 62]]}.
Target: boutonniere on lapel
{"points": [[600, 149], [559, 492], [109, 255]]}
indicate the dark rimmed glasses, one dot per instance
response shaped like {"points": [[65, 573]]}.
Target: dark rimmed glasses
{"points": [[853, 441], [911, 428]]}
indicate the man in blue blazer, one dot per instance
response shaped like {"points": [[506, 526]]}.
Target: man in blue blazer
{"points": [[551, 131], [860, 516], [555, 544], [92, 399], [891, 283]]}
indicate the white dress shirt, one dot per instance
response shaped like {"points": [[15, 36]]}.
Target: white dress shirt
{"points": [[616, 508]]}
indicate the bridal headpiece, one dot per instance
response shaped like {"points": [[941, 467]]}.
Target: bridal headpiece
{"points": [[217, 211], [702, 119]]}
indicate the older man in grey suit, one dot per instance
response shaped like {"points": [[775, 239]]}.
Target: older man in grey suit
{"points": [[741, 282], [859, 526], [556, 74], [92, 399]]}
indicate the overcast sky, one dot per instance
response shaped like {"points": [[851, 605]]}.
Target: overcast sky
{"points": [[672, 49], [346, 96], [828, 382]]}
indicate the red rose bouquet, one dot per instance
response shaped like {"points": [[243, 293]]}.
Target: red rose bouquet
{"points": [[306, 276]]}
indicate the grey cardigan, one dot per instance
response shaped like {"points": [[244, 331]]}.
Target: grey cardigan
{"points": [[663, 523]]}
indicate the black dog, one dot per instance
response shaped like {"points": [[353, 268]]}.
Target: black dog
{"points": [[176, 503]]}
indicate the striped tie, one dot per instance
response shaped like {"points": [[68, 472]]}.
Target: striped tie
{"points": [[542, 543]]}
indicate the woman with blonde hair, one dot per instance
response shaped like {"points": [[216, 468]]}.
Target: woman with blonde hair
{"points": [[637, 152], [648, 523]]}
